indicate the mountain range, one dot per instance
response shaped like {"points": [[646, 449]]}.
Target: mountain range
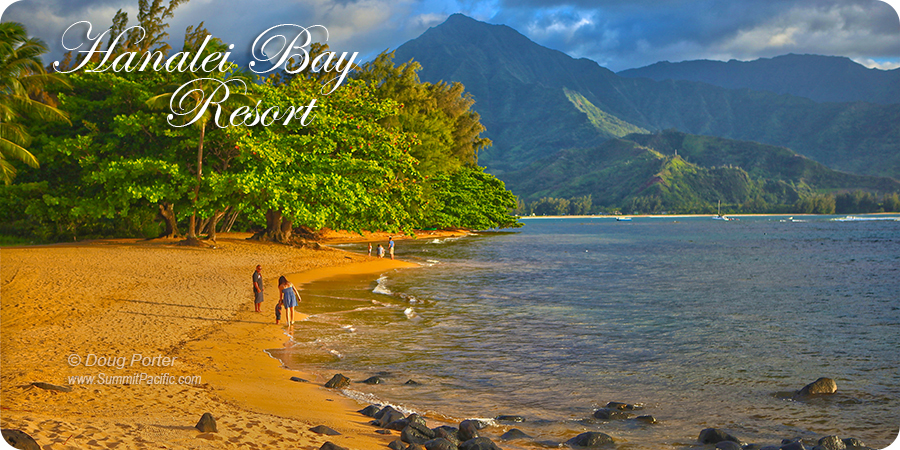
{"points": [[820, 78], [540, 105]]}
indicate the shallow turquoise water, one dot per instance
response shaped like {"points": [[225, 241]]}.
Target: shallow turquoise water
{"points": [[706, 323]]}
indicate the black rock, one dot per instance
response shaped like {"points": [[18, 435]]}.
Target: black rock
{"points": [[331, 446], [728, 445], [449, 433], [714, 436], [412, 383], [853, 442], [515, 419], [771, 447], [822, 386], [479, 443], [611, 414], [832, 443], [383, 431], [591, 439], [397, 445], [207, 423], [398, 424], [374, 380], [468, 430], [390, 417], [369, 411], [299, 380], [19, 439], [646, 419], [322, 429], [415, 447], [440, 444], [416, 431], [795, 445], [514, 434], [338, 381], [623, 406], [383, 411], [753, 447]]}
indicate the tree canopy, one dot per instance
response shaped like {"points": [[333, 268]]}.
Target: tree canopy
{"points": [[383, 151]]}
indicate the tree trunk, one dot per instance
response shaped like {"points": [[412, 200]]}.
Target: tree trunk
{"points": [[167, 215], [192, 225], [278, 229], [213, 223], [230, 222]]}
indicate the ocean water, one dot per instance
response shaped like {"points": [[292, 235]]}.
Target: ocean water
{"points": [[704, 323]]}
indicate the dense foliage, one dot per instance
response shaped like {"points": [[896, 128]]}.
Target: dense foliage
{"points": [[354, 162]]}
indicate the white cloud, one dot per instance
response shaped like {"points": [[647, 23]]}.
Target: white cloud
{"points": [[883, 65]]}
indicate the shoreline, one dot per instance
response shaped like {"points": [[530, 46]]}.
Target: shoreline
{"points": [[687, 216], [114, 299]]}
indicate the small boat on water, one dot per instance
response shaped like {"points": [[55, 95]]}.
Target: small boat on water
{"points": [[623, 219], [719, 215]]}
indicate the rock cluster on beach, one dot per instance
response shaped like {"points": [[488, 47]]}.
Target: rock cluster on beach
{"points": [[416, 435], [722, 440]]}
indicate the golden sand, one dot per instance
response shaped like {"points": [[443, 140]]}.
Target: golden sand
{"points": [[188, 313]]}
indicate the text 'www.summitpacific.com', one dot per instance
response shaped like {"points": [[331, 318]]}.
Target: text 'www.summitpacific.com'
{"points": [[137, 378]]}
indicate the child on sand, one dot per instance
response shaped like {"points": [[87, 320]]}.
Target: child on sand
{"points": [[278, 313]]}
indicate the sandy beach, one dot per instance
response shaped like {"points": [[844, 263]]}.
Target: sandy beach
{"points": [[168, 333]]}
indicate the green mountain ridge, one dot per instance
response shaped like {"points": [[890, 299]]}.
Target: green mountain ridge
{"points": [[535, 101], [820, 78], [678, 172]]}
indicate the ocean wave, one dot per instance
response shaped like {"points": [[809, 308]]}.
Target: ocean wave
{"points": [[864, 219], [371, 399], [381, 287]]}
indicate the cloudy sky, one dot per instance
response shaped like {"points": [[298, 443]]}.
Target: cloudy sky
{"points": [[618, 34]]}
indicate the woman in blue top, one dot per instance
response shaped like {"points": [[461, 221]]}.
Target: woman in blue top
{"points": [[289, 297]]}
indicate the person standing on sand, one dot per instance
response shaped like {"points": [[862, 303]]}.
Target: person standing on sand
{"points": [[380, 251], [289, 297], [370, 249], [257, 288], [391, 246]]}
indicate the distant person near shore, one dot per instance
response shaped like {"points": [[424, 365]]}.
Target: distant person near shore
{"points": [[391, 246], [257, 288], [380, 251], [370, 249], [289, 297]]}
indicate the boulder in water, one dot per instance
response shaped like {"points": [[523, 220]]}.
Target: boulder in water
{"points": [[591, 439], [822, 386], [338, 381]]}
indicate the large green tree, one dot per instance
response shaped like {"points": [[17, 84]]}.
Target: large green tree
{"points": [[340, 169]]}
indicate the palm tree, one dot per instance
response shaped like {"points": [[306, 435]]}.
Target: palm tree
{"points": [[22, 78]]}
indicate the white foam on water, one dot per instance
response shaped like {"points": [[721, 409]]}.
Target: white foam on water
{"points": [[380, 287], [410, 313], [349, 328]]}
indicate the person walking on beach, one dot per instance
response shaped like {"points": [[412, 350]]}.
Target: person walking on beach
{"points": [[257, 288], [289, 297], [370, 249], [380, 251], [391, 246]]}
